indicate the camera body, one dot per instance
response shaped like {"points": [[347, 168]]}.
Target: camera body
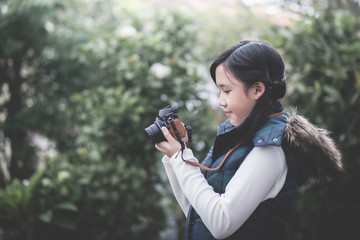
{"points": [[168, 118]]}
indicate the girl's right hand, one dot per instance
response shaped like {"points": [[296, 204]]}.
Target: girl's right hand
{"points": [[169, 147]]}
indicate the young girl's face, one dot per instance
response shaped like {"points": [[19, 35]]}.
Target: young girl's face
{"points": [[236, 101]]}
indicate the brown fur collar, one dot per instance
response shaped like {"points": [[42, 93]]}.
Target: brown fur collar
{"points": [[318, 150]]}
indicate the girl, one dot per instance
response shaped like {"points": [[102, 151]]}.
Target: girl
{"points": [[246, 186]]}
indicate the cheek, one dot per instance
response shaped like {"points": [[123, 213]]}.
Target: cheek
{"points": [[242, 105]]}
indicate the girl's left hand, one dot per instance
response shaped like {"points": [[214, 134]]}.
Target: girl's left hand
{"points": [[170, 147]]}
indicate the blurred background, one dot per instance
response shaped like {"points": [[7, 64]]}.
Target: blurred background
{"points": [[81, 79]]}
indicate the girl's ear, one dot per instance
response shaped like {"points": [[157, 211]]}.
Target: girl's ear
{"points": [[258, 90]]}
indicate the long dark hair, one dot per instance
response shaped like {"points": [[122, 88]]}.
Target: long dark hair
{"points": [[250, 62]]}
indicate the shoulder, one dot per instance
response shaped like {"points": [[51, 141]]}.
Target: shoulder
{"points": [[271, 133]]}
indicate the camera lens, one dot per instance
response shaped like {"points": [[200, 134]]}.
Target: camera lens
{"points": [[154, 133]]}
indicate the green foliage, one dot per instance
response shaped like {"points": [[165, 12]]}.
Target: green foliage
{"points": [[141, 68], [35, 63], [322, 55], [17, 25], [18, 205], [108, 201], [93, 90], [140, 71], [325, 80]]}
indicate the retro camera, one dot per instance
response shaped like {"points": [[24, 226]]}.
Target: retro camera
{"points": [[168, 118]]}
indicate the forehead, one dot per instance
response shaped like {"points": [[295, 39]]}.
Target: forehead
{"points": [[225, 78]]}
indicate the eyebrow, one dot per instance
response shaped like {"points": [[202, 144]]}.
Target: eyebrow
{"points": [[222, 86]]}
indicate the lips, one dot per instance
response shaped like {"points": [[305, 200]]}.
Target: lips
{"points": [[227, 113]]}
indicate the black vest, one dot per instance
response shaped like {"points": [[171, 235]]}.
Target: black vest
{"points": [[270, 219]]}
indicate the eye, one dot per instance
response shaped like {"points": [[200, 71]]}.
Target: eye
{"points": [[227, 92]]}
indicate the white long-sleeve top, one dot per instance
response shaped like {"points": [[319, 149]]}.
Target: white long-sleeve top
{"points": [[260, 177]]}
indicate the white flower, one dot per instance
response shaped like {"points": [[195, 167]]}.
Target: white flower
{"points": [[126, 31], [49, 26], [26, 182], [160, 70], [4, 9], [46, 182], [62, 175]]}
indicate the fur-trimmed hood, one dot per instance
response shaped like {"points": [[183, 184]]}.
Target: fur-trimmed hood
{"points": [[316, 154]]}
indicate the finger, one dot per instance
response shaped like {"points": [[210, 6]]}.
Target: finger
{"points": [[161, 144], [157, 147], [160, 147], [168, 135]]}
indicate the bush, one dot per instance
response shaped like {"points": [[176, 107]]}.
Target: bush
{"points": [[322, 55], [104, 182]]}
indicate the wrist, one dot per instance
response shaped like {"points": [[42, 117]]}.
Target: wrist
{"points": [[178, 157]]}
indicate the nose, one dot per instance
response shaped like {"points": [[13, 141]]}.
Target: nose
{"points": [[221, 102]]}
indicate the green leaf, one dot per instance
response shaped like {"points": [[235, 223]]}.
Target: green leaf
{"points": [[29, 190], [46, 216], [66, 206]]}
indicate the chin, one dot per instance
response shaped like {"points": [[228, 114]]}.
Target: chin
{"points": [[235, 122]]}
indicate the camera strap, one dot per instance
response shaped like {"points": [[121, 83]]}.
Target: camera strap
{"points": [[196, 164], [177, 134]]}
